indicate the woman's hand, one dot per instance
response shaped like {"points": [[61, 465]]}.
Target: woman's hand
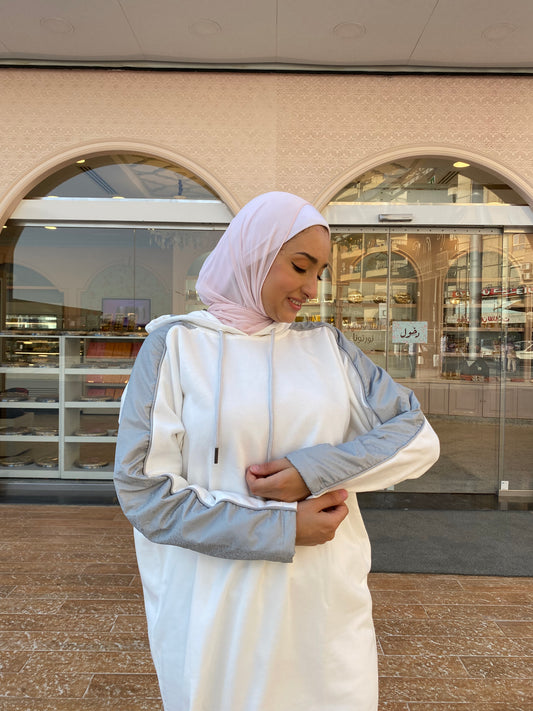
{"points": [[317, 519], [277, 480]]}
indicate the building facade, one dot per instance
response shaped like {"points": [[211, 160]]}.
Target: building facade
{"points": [[115, 185]]}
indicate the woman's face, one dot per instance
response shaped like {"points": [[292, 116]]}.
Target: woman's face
{"points": [[294, 274]]}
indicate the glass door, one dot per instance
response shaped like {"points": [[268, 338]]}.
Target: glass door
{"points": [[428, 306], [517, 303]]}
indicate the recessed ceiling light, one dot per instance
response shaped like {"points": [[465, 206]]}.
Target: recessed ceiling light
{"points": [[349, 30], [50, 227], [500, 31], [205, 27], [82, 160], [460, 164], [118, 197], [57, 25]]}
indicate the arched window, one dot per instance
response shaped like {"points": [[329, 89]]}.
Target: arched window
{"points": [[126, 176], [90, 256], [430, 181], [433, 279], [110, 232]]}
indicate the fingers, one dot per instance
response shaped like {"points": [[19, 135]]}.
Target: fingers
{"points": [[268, 468], [331, 499], [317, 520], [284, 486]]}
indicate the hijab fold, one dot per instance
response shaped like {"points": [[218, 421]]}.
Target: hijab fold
{"points": [[232, 276]]}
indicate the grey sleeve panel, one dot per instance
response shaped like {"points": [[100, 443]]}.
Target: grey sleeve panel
{"points": [[399, 445], [221, 526]]}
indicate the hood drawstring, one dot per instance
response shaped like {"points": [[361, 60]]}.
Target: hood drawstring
{"points": [[270, 391], [270, 386], [218, 390]]}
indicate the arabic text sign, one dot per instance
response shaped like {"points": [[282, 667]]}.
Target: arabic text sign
{"points": [[409, 332]]}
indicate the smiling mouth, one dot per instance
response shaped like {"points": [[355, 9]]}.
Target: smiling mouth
{"points": [[296, 304]]}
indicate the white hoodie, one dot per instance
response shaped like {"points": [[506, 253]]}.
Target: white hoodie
{"points": [[239, 619]]}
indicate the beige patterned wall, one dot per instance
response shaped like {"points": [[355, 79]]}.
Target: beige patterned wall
{"points": [[248, 133]]}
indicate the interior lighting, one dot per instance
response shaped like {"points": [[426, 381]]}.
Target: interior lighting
{"points": [[57, 25], [50, 227], [498, 32], [349, 30], [461, 164], [118, 197], [395, 217], [79, 162], [204, 28]]}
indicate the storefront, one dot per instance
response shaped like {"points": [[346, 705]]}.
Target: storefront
{"points": [[430, 276]]}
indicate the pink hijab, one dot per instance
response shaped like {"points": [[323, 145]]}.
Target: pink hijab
{"points": [[232, 276]]}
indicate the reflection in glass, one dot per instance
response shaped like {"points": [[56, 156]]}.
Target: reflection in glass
{"points": [[126, 176], [93, 279], [428, 181]]}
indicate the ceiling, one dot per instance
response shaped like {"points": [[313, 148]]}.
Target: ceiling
{"points": [[338, 35]]}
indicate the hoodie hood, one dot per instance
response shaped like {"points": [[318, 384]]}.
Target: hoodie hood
{"points": [[205, 319]]}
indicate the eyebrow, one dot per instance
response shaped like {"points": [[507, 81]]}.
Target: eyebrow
{"points": [[312, 259]]}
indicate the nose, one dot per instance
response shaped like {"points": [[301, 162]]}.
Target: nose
{"points": [[310, 287]]}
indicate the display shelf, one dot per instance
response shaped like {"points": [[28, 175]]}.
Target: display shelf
{"points": [[29, 473], [93, 404], [42, 370], [29, 404], [63, 413], [105, 473]]}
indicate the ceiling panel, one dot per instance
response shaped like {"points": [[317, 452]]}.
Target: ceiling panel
{"points": [[353, 33], [491, 33], [270, 33], [65, 29], [204, 30]]}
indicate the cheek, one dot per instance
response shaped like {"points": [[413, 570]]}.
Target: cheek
{"points": [[274, 288]]}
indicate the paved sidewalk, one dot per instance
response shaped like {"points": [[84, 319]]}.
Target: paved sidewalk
{"points": [[73, 636]]}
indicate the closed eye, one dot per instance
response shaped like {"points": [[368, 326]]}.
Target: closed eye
{"points": [[302, 271]]}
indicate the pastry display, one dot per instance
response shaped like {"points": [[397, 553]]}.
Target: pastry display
{"points": [[90, 432], [13, 431], [8, 396], [97, 398], [355, 297], [54, 393], [91, 463], [45, 431], [403, 298], [21, 460], [47, 462]]}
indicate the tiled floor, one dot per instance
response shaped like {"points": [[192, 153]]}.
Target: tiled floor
{"points": [[73, 638]]}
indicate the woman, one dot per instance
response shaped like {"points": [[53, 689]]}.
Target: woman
{"points": [[243, 439]]}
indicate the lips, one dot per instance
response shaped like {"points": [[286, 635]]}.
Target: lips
{"points": [[295, 304]]}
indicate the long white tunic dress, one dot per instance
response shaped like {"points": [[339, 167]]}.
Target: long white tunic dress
{"points": [[240, 619]]}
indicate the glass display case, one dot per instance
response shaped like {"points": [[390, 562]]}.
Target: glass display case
{"points": [[59, 403]]}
